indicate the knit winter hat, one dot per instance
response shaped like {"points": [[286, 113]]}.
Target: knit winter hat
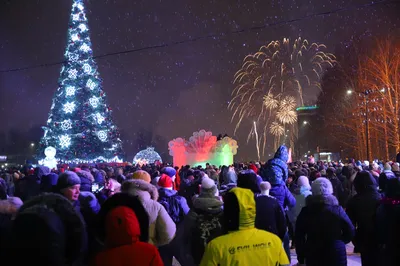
{"points": [[67, 179], [208, 188], [165, 181], [304, 182], [142, 175], [265, 186], [169, 171], [395, 167], [322, 186], [387, 167]]}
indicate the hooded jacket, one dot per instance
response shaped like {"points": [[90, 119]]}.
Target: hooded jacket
{"points": [[161, 227], [244, 245], [322, 230], [123, 245], [276, 171]]}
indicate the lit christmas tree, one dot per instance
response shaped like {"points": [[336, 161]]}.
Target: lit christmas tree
{"points": [[80, 125]]}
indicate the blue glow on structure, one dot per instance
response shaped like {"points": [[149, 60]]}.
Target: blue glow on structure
{"points": [[303, 108]]}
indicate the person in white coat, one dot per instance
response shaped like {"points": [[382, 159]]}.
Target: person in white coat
{"points": [[162, 228]]}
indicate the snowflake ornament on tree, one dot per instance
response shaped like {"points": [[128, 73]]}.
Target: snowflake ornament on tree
{"points": [[82, 27], [75, 37], [87, 68], [72, 73], [69, 107], [85, 48], [66, 124], [70, 91], [102, 135], [75, 17], [99, 118], [65, 141], [90, 84], [94, 102]]}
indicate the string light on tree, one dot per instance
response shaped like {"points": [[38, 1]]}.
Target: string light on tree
{"points": [[72, 73], [65, 141], [94, 102], [102, 135], [69, 107], [66, 124], [70, 91], [92, 135]]}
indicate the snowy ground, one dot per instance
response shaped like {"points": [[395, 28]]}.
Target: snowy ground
{"points": [[352, 259]]}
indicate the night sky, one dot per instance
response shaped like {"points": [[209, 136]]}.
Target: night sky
{"points": [[163, 93]]}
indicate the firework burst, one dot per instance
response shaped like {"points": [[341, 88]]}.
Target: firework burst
{"points": [[272, 82], [276, 129]]}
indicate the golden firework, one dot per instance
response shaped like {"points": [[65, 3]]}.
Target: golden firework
{"points": [[272, 82], [276, 129]]}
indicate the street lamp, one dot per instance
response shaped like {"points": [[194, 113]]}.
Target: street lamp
{"points": [[349, 92], [32, 144], [305, 122]]}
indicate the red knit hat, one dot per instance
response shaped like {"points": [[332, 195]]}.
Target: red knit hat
{"points": [[254, 168], [165, 181]]}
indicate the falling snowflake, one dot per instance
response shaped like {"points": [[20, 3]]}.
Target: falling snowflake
{"points": [[102, 135], [69, 107], [82, 27], [90, 84], [75, 17], [87, 68], [65, 141], [72, 73], [70, 91], [75, 37], [99, 118], [94, 102], [66, 124]]}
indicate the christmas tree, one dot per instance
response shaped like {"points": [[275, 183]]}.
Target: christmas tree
{"points": [[80, 125]]}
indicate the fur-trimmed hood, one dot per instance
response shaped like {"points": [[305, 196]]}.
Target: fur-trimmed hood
{"points": [[10, 205], [85, 174], [321, 200], [140, 188]]}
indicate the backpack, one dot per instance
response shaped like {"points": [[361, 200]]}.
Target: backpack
{"points": [[208, 226], [172, 206]]}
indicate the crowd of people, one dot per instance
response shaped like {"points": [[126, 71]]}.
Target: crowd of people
{"points": [[243, 214]]}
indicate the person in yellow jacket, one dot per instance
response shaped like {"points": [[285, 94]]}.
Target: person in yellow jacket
{"points": [[244, 244]]}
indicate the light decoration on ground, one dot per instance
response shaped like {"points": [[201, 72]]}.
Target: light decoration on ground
{"points": [[66, 124], [148, 155], [70, 91], [202, 148], [102, 135], [65, 141], [69, 107], [78, 126]]}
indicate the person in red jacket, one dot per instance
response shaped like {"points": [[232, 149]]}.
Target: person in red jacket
{"points": [[124, 226]]}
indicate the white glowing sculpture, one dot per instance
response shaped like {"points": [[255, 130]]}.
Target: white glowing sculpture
{"points": [[50, 161]]}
